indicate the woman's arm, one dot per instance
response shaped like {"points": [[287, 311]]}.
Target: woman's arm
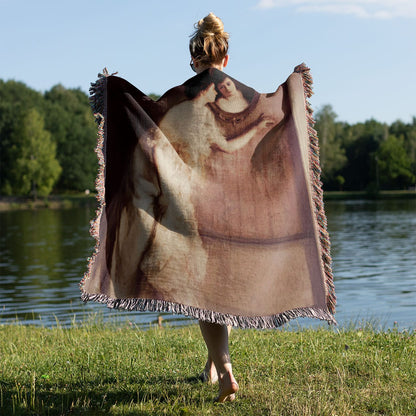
{"points": [[260, 126]]}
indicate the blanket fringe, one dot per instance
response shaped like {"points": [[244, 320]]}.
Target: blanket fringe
{"points": [[245, 322], [97, 91], [97, 103], [315, 171]]}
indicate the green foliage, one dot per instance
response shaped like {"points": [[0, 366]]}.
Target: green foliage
{"points": [[394, 164], [365, 156], [361, 169], [332, 154], [340, 180], [8, 116], [154, 96], [71, 123], [408, 134], [14, 92], [71, 131], [35, 169], [16, 99]]}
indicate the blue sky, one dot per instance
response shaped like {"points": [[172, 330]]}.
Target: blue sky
{"points": [[361, 53]]}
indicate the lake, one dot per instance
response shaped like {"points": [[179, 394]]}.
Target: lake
{"points": [[43, 255]]}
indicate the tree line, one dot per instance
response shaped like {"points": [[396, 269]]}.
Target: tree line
{"points": [[47, 140], [47, 143], [367, 156]]}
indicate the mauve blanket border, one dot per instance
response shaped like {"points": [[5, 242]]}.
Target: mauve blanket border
{"points": [[97, 101], [317, 192]]}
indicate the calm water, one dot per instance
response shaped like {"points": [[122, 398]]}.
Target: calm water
{"points": [[43, 257]]}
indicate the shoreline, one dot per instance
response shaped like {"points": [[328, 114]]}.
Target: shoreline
{"points": [[66, 201], [363, 195], [61, 201]]}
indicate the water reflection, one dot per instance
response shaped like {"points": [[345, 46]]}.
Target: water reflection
{"points": [[43, 257]]}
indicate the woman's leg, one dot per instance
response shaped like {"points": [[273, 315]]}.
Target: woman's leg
{"points": [[209, 374], [216, 339]]}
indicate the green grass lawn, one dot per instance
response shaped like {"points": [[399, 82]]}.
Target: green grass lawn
{"points": [[109, 369]]}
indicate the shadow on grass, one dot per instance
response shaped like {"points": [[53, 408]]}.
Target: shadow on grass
{"points": [[99, 397]]}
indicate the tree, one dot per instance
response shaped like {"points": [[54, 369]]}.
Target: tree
{"points": [[362, 141], [42, 129], [153, 96], [16, 99], [35, 168], [70, 120], [332, 154], [408, 133], [394, 164], [9, 115]]}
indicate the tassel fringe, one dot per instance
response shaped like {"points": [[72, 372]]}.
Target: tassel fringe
{"points": [[245, 322], [315, 171], [97, 103]]}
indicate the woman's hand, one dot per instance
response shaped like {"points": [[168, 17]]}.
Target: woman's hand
{"points": [[301, 68], [266, 121]]}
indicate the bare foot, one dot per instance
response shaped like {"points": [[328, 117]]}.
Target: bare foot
{"points": [[228, 388], [209, 374]]}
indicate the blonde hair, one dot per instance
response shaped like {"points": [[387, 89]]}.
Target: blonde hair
{"points": [[209, 42]]}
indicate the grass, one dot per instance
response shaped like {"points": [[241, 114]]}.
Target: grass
{"points": [[105, 369]]}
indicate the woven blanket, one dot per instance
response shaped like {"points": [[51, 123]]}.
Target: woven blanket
{"points": [[210, 202]]}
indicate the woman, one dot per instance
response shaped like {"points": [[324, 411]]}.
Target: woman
{"points": [[231, 99], [179, 125], [209, 49], [211, 203], [215, 133]]}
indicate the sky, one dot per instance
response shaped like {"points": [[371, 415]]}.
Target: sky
{"points": [[362, 53]]}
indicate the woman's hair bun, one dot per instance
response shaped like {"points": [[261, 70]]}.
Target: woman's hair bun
{"points": [[211, 25], [209, 42]]}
